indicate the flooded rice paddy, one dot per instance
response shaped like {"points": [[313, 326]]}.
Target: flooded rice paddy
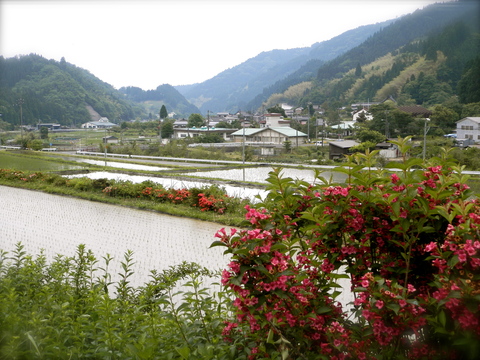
{"points": [[249, 175], [59, 224], [122, 165], [260, 174], [242, 192]]}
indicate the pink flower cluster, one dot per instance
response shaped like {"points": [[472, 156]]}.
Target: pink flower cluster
{"points": [[410, 244]]}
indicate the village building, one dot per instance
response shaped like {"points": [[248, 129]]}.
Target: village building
{"points": [[338, 149], [110, 139], [185, 132], [468, 128], [102, 123], [274, 120], [49, 126], [362, 113], [270, 135]]}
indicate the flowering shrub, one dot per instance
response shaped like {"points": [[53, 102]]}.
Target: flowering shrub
{"points": [[408, 242], [210, 203]]}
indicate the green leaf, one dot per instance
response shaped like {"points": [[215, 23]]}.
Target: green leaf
{"points": [[442, 318], [184, 352], [218, 243], [395, 307], [32, 340], [270, 337]]}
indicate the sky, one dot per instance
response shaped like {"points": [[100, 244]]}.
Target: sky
{"points": [[147, 43]]}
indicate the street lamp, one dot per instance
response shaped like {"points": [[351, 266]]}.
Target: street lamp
{"points": [[425, 131]]}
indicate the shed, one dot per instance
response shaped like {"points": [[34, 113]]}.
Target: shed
{"points": [[338, 149]]}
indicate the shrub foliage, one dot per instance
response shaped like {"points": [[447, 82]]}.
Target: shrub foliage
{"points": [[407, 241]]}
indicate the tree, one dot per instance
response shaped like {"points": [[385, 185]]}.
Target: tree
{"points": [[195, 120], [166, 130], [365, 134], [444, 118], [163, 113], [358, 70], [43, 132], [472, 109], [277, 109], [469, 84]]}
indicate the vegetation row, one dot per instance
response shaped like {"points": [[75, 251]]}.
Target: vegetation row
{"points": [[206, 203]]}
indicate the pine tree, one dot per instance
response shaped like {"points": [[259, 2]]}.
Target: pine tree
{"points": [[163, 113]]}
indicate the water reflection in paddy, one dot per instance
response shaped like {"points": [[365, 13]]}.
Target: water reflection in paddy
{"points": [[122, 165], [260, 174], [235, 191]]}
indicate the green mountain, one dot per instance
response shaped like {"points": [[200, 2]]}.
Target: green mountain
{"points": [[420, 58], [234, 88], [59, 92], [152, 100]]}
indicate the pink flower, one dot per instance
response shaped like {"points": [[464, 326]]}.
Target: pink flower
{"points": [[394, 178], [462, 255], [379, 304], [430, 247]]}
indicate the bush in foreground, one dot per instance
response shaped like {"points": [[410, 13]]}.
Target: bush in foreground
{"points": [[407, 240]]}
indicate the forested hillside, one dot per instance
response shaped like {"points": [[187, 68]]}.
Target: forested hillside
{"points": [[234, 88], [435, 44], [152, 100], [59, 92]]}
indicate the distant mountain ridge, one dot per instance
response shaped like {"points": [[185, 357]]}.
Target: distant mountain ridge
{"points": [[59, 92], [56, 91], [431, 54], [234, 88], [152, 100]]}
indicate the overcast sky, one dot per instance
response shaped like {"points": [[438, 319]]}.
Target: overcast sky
{"points": [[147, 43]]}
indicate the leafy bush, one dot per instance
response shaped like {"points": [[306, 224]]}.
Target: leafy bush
{"points": [[71, 308], [407, 241]]}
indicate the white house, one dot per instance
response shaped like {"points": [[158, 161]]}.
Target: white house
{"points": [[359, 113], [103, 123], [468, 128], [345, 127], [183, 133], [274, 120], [270, 135]]}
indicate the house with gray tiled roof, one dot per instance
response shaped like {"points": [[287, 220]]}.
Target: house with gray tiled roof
{"points": [[269, 135], [103, 123]]}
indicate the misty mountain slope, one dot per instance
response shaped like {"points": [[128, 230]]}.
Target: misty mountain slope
{"points": [[431, 71], [232, 89], [418, 25], [59, 92], [152, 100]]}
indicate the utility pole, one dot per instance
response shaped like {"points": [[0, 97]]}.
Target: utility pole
{"points": [[387, 130], [20, 103], [425, 131], [308, 120]]}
